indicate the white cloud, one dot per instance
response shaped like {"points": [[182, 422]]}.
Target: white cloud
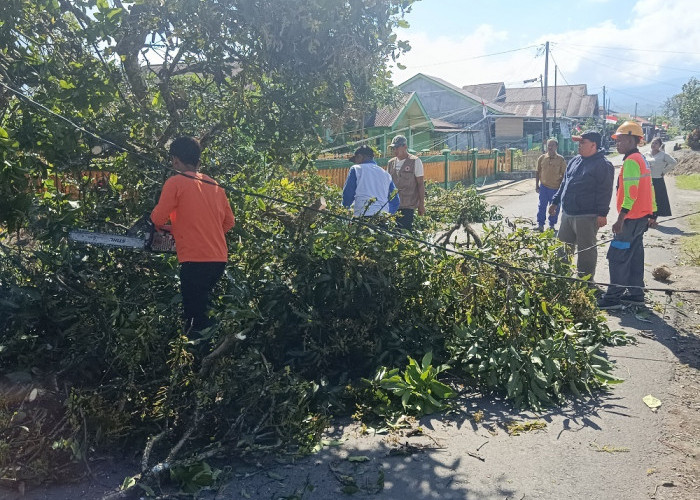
{"points": [[458, 60], [665, 35]]}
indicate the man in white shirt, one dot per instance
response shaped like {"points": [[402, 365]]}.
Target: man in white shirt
{"points": [[406, 171], [368, 187]]}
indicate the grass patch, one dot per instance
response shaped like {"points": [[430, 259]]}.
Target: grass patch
{"points": [[690, 182], [691, 244]]}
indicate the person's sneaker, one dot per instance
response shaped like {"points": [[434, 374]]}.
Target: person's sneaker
{"points": [[608, 304], [540, 229], [632, 301]]}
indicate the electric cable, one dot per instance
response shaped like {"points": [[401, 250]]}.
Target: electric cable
{"points": [[627, 48], [478, 57], [358, 221], [603, 242]]}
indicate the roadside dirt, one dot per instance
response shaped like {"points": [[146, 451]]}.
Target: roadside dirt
{"points": [[688, 162], [609, 446]]}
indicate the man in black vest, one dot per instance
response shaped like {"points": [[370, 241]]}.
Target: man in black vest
{"points": [[406, 171]]}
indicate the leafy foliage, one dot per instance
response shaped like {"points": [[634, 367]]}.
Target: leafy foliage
{"points": [[461, 204], [310, 304], [533, 335], [694, 139], [419, 389], [689, 105], [685, 106]]}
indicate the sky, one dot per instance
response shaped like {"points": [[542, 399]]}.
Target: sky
{"points": [[641, 51]]}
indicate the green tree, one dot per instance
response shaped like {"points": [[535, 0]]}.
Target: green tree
{"points": [[254, 79], [689, 105], [684, 109]]}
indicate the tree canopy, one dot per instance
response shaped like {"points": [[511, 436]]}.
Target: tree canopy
{"points": [[142, 71], [689, 105], [685, 106]]}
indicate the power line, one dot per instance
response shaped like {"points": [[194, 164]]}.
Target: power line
{"points": [[628, 48], [617, 58], [424, 122], [477, 57], [600, 63], [359, 221], [638, 97]]}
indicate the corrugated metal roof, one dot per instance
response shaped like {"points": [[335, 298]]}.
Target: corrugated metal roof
{"points": [[489, 92], [572, 101], [465, 93], [437, 122], [387, 115]]}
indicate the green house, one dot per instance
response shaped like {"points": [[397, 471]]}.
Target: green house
{"points": [[407, 117]]}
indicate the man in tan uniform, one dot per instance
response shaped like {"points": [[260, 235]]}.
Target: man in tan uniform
{"points": [[406, 171], [550, 172]]}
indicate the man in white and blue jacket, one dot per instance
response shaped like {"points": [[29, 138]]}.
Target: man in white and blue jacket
{"points": [[368, 186]]}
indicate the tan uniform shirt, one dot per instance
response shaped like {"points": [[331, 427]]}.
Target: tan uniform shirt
{"points": [[550, 171]]}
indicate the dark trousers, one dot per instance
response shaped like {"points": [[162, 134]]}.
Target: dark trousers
{"points": [[626, 260], [404, 218], [197, 280], [546, 195]]}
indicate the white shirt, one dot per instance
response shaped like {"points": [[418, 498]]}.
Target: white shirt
{"points": [[660, 163], [418, 169], [372, 184]]}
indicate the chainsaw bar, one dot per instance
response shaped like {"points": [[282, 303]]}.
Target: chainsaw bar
{"points": [[141, 236], [110, 240]]}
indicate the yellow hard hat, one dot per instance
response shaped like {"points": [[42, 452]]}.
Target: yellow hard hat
{"points": [[629, 128]]}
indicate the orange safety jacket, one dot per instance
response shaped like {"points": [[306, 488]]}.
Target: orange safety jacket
{"points": [[200, 215], [635, 191]]}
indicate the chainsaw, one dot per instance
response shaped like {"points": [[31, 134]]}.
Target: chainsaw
{"points": [[143, 235]]}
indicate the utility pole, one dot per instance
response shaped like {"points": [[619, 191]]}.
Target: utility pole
{"points": [[605, 118], [554, 117], [544, 96], [635, 111]]}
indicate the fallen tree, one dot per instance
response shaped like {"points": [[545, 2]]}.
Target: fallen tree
{"points": [[308, 310]]}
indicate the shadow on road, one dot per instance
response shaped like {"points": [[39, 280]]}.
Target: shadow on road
{"points": [[684, 346], [673, 231]]}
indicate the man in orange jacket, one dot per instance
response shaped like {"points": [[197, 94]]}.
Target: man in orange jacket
{"points": [[200, 214], [636, 205]]}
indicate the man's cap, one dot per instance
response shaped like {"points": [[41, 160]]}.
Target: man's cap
{"points": [[591, 135], [363, 150], [399, 140]]}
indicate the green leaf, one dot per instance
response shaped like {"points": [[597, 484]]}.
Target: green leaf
{"points": [[405, 397], [114, 12], [129, 481], [427, 360], [441, 390], [606, 377], [358, 458], [514, 385], [350, 489]]}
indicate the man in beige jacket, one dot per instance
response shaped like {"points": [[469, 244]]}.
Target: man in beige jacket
{"points": [[406, 171], [550, 172]]}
